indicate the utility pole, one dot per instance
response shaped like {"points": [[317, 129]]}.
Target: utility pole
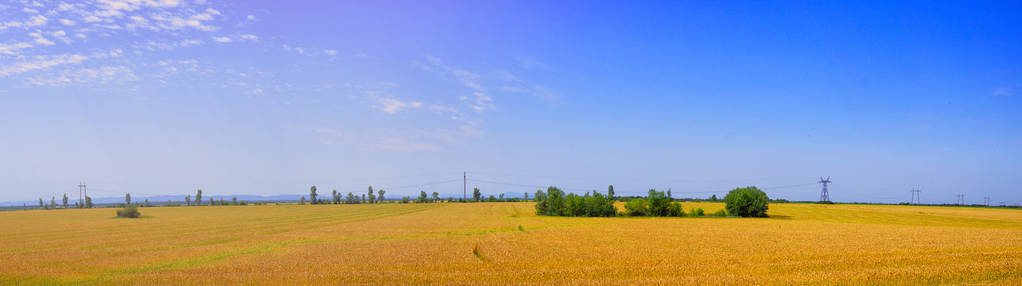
{"points": [[961, 199], [824, 195], [915, 196], [464, 186], [81, 192], [986, 201]]}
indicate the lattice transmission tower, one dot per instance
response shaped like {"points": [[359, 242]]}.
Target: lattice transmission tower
{"points": [[824, 195]]}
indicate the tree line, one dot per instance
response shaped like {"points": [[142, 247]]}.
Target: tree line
{"points": [[743, 202], [64, 204]]}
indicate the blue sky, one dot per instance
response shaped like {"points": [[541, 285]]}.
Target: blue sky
{"points": [[159, 97]]}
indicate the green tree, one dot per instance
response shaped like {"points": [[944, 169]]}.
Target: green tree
{"points": [[127, 199], [637, 207], [674, 209], [610, 192], [65, 200], [212, 202], [405, 199], [554, 202], [198, 197], [234, 200], [371, 196], [302, 201], [351, 199], [713, 198], [41, 205], [380, 197], [336, 197], [541, 203], [188, 200], [436, 196], [658, 203], [746, 202], [313, 195], [422, 197], [476, 194], [526, 196], [88, 202], [364, 198], [53, 202], [669, 196]]}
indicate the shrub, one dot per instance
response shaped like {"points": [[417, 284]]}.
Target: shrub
{"points": [[129, 212], [658, 203], [637, 207], [720, 213], [746, 202], [674, 209], [697, 212]]}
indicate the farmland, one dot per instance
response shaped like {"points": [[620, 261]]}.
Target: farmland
{"points": [[433, 244]]}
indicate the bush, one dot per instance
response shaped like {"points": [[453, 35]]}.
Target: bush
{"points": [[720, 213], [658, 203], [675, 210], [129, 212], [637, 207], [746, 202], [697, 212]]}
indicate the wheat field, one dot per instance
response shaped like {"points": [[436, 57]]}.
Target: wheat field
{"points": [[506, 243]]}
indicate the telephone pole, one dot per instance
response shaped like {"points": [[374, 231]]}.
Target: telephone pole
{"points": [[986, 201], [81, 192], [464, 186], [915, 196], [961, 199], [824, 195]]}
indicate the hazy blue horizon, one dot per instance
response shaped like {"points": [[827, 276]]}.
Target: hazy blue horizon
{"points": [[266, 97]]}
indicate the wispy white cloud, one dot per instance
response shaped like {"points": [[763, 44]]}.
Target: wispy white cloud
{"points": [[250, 37], [392, 105], [479, 100], [13, 49], [330, 52], [222, 39], [102, 75], [41, 62], [514, 84]]}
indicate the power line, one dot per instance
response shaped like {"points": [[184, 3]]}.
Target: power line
{"points": [[421, 185]]}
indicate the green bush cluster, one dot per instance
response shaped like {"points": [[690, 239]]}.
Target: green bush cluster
{"points": [[554, 202], [746, 202], [129, 212], [656, 203]]}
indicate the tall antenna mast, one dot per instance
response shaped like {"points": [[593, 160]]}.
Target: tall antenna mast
{"points": [[824, 195], [915, 196]]}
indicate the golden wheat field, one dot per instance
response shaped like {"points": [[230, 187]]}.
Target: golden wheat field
{"points": [[438, 244]]}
